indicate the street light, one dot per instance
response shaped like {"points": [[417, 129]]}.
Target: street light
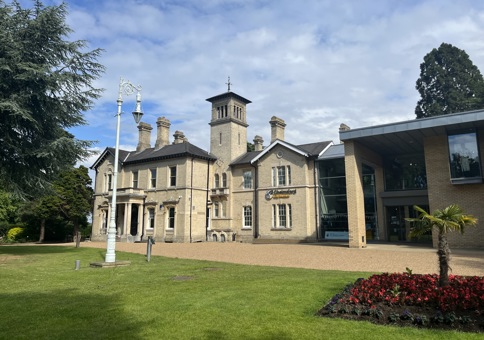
{"points": [[127, 88]]}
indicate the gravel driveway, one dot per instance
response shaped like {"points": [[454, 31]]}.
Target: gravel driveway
{"points": [[374, 258]]}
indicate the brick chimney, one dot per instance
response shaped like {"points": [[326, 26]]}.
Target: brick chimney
{"points": [[163, 132], [277, 128], [144, 136], [179, 137], [258, 141]]}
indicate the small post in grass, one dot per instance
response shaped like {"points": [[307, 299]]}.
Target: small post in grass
{"points": [[151, 241]]}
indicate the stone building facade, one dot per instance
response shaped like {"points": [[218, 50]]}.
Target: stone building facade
{"points": [[177, 192]]}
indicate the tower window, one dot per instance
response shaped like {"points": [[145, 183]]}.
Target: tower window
{"points": [[220, 139]]}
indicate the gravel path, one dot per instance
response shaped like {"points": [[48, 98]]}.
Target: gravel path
{"points": [[374, 258]]}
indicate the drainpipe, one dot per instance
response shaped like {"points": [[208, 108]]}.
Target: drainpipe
{"points": [[191, 200], [206, 201], [143, 219], [256, 204], [316, 200]]}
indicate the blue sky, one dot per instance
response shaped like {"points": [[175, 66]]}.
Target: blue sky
{"points": [[314, 63]]}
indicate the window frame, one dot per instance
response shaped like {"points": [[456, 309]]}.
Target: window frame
{"points": [[135, 179], [281, 176], [247, 179], [172, 176], [151, 218], [456, 159], [109, 184], [282, 216], [153, 175], [171, 218], [247, 217]]}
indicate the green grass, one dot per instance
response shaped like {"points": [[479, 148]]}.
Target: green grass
{"points": [[43, 297]]}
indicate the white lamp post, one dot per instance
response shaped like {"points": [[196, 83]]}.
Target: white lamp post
{"points": [[127, 88]]}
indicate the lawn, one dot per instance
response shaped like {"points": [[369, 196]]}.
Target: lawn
{"points": [[43, 297]]}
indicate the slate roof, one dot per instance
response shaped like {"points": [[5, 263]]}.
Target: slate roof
{"points": [[185, 149], [334, 151], [311, 149]]}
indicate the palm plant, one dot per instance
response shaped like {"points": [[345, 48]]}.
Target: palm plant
{"points": [[446, 220]]}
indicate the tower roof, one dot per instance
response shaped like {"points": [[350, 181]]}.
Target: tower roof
{"points": [[227, 95]]}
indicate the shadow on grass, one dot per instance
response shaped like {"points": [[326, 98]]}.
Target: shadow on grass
{"points": [[34, 249], [65, 314]]}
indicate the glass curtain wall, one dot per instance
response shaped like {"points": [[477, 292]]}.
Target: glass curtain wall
{"points": [[405, 172], [333, 202]]}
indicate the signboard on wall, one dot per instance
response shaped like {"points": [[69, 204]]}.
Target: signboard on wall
{"points": [[279, 193], [336, 235]]}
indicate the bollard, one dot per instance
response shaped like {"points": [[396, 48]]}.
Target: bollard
{"points": [[151, 241], [78, 264]]}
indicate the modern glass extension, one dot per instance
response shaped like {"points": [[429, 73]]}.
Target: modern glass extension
{"points": [[333, 203]]}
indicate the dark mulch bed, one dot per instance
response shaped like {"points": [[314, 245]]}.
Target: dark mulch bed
{"points": [[410, 316]]}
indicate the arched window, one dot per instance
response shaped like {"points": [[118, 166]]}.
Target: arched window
{"points": [[224, 180], [217, 180]]}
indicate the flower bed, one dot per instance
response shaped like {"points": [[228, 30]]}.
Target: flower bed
{"points": [[412, 299]]}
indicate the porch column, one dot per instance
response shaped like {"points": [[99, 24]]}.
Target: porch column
{"points": [[355, 197], [127, 215]]}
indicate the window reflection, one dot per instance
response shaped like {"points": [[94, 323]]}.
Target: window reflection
{"points": [[464, 157]]}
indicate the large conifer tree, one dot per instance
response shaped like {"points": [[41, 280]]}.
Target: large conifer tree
{"points": [[46, 83], [449, 82]]}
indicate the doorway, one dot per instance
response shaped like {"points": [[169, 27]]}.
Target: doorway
{"points": [[396, 229], [134, 220]]}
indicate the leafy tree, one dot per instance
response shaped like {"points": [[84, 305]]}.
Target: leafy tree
{"points": [[8, 207], [449, 219], [65, 208], [250, 147], [449, 82], [45, 85], [73, 189], [44, 208]]}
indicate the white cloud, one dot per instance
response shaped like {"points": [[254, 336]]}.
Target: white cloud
{"points": [[314, 64]]}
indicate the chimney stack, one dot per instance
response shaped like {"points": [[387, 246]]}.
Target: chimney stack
{"points": [[179, 137], [277, 128], [258, 141], [163, 132], [344, 127], [144, 136]]}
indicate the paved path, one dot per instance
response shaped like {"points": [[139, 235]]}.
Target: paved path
{"points": [[374, 258]]}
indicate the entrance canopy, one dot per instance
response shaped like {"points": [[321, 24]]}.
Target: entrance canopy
{"points": [[407, 137]]}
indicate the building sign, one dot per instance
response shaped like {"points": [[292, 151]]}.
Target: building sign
{"points": [[336, 235], [279, 193]]}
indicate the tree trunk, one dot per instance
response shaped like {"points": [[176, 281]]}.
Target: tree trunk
{"points": [[42, 230], [444, 258], [77, 234]]}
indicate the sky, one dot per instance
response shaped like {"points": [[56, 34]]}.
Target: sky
{"points": [[314, 63]]}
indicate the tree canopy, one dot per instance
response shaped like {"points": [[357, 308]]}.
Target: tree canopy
{"points": [[46, 83], [449, 82]]}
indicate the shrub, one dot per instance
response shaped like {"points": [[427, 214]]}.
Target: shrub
{"points": [[15, 234]]}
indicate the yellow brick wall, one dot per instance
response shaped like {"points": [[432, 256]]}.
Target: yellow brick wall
{"points": [[470, 197]]}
